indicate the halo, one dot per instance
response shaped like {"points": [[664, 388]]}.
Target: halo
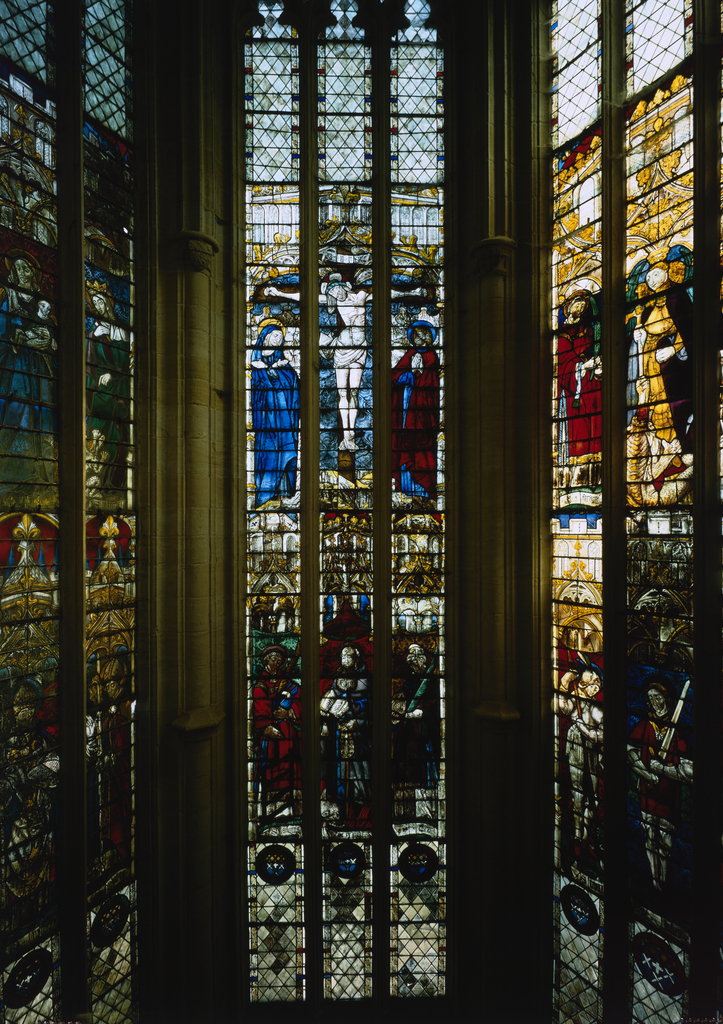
{"points": [[426, 325], [579, 294], [581, 284], [659, 255], [271, 321], [13, 255], [274, 648]]}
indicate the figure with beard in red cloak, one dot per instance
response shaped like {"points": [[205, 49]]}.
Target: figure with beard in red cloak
{"points": [[580, 374], [415, 414], [277, 727]]}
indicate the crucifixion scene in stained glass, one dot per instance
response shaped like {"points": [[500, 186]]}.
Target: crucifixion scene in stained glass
{"points": [[349, 496]]}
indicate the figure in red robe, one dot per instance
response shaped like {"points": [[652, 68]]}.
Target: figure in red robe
{"points": [[579, 373], [277, 728], [658, 755], [415, 414]]}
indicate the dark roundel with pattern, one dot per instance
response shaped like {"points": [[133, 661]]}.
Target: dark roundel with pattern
{"points": [[418, 863], [27, 978], [658, 963], [110, 921], [579, 910], [347, 860], [275, 864]]}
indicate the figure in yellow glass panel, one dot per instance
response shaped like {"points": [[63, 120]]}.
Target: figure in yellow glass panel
{"points": [[660, 374]]}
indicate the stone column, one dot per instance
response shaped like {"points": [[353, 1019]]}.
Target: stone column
{"points": [[186, 887], [499, 769]]}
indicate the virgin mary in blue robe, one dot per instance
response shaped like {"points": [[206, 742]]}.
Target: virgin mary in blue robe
{"points": [[275, 417]]}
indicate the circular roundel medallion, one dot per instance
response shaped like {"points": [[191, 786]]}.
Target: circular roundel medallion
{"points": [[110, 921], [347, 860], [418, 863], [27, 978], [658, 963], [275, 864], [580, 910]]}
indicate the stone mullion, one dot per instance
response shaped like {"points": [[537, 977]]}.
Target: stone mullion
{"points": [[615, 970], [72, 860], [309, 509], [704, 967], [199, 705], [382, 499]]}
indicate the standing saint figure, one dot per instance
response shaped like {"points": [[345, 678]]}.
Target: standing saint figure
{"points": [[665, 335], [416, 737], [656, 751], [277, 731], [579, 371], [114, 756], [660, 435], [274, 415], [30, 774], [108, 391], [345, 740], [27, 376], [415, 414], [583, 744]]}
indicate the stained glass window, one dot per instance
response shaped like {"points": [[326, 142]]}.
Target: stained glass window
{"points": [[29, 520], [110, 505], [629, 365], [35, 577], [344, 359]]}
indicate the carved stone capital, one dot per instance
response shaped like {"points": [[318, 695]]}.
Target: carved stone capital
{"points": [[198, 249], [494, 255]]}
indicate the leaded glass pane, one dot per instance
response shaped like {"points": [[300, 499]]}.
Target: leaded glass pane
{"points": [[348, 389], [418, 871], [29, 523], [110, 345], [29, 36], [576, 524], [273, 369], [659, 448], [108, 95], [576, 67], [344, 70], [272, 101], [417, 97], [659, 35]]}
